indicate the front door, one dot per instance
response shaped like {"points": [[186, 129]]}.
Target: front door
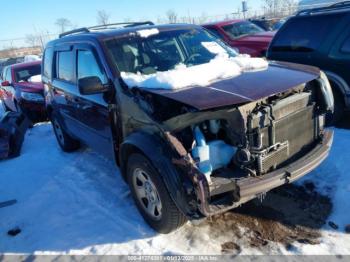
{"points": [[92, 112]]}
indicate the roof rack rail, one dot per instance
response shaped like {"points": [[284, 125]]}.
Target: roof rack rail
{"points": [[101, 27], [336, 6], [341, 4], [75, 31]]}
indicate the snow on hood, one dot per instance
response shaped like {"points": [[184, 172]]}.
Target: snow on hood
{"points": [[35, 79], [221, 67]]}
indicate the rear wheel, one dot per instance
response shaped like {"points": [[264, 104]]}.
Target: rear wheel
{"points": [[151, 196], [66, 142]]}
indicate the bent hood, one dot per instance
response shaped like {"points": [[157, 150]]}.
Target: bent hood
{"points": [[247, 87]]}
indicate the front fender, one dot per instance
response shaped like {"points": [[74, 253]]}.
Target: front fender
{"points": [[160, 155]]}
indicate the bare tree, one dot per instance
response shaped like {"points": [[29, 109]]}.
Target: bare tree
{"points": [[63, 24], [127, 20], [32, 40], [203, 18], [290, 6], [171, 16], [103, 17]]}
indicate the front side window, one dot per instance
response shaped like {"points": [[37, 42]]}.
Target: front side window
{"points": [[165, 50], [24, 74], [305, 34], [241, 29], [88, 66], [65, 68]]}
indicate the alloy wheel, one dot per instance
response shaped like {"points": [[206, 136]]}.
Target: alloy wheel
{"points": [[147, 194]]}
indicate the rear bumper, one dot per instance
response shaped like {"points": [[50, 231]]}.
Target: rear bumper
{"points": [[251, 187]]}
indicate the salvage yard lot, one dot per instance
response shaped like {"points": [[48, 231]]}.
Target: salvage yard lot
{"points": [[78, 204]]}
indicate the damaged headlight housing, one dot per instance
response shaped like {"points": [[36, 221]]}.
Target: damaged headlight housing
{"points": [[32, 97], [327, 92]]}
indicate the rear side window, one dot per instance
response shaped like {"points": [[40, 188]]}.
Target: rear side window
{"points": [[88, 66], [48, 58], [24, 74], [346, 46], [305, 34], [65, 66]]}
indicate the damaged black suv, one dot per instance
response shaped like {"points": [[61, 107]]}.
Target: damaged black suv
{"points": [[188, 148]]}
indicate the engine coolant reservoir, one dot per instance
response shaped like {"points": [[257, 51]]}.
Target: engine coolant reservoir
{"points": [[211, 156]]}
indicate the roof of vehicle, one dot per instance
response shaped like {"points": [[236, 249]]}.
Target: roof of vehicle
{"points": [[106, 33], [26, 64], [337, 7], [223, 23]]}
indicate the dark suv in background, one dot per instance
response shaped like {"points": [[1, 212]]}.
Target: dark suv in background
{"points": [[191, 152], [319, 37]]}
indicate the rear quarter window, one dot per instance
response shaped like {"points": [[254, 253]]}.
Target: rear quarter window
{"points": [[305, 34], [65, 66], [48, 58]]}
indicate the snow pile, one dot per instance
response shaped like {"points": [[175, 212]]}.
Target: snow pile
{"points": [[78, 203], [148, 32], [31, 58], [221, 67], [35, 79]]}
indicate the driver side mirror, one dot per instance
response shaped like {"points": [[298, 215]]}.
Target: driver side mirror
{"points": [[5, 83], [91, 85]]}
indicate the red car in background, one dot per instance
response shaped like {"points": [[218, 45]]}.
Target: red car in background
{"points": [[242, 35], [21, 90]]}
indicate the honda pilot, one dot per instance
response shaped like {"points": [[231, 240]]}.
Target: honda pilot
{"points": [[195, 128]]}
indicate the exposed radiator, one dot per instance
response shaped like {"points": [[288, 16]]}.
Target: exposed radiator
{"points": [[282, 131]]}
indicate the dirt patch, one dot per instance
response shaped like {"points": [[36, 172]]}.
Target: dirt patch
{"points": [[228, 247], [288, 214]]}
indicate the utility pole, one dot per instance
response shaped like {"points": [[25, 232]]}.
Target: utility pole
{"points": [[244, 8]]}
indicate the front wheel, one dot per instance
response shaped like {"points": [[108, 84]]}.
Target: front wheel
{"points": [[151, 196], [66, 142]]}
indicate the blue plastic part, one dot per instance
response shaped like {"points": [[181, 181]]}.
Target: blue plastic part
{"points": [[212, 156]]}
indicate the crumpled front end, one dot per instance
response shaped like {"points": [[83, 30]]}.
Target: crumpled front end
{"points": [[233, 155]]}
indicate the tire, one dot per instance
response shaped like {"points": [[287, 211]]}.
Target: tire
{"points": [[66, 142], [339, 108], [149, 190]]}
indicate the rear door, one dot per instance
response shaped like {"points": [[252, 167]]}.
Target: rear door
{"points": [[92, 110], [64, 88]]}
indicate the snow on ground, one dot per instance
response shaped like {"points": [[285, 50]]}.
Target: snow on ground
{"points": [[78, 204]]}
